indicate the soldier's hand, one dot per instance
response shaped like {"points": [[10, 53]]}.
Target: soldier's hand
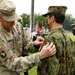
{"points": [[47, 50], [39, 41]]}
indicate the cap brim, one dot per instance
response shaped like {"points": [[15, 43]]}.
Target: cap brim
{"points": [[72, 25], [11, 18], [45, 15]]}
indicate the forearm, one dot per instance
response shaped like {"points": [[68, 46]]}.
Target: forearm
{"points": [[20, 64]]}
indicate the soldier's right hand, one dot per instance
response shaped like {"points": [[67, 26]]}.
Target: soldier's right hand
{"points": [[47, 50]]}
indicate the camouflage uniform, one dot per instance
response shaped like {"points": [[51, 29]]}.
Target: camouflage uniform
{"points": [[11, 48], [12, 43], [62, 62], [73, 31]]}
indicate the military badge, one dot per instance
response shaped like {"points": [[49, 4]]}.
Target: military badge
{"points": [[2, 54]]}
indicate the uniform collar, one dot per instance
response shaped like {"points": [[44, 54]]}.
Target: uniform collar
{"points": [[57, 30]]}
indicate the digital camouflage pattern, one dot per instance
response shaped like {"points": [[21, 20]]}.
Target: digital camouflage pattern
{"points": [[11, 45], [56, 9], [62, 62], [7, 10]]}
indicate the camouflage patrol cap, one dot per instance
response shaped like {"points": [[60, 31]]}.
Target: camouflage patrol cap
{"points": [[56, 9], [73, 24], [7, 10]]}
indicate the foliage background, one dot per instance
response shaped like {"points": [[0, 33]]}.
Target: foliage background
{"points": [[25, 20]]}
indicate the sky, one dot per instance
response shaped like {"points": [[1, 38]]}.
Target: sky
{"points": [[41, 6]]}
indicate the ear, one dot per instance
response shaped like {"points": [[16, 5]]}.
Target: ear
{"points": [[52, 18]]}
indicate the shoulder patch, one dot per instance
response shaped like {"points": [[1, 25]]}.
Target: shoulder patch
{"points": [[2, 54]]}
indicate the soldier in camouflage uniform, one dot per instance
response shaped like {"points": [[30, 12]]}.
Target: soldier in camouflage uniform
{"points": [[73, 31], [73, 28], [62, 62], [13, 40]]}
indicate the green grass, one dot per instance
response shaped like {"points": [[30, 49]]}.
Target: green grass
{"points": [[71, 36], [33, 71]]}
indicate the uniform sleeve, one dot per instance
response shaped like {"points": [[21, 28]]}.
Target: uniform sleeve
{"points": [[12, 62], [53, 62]]}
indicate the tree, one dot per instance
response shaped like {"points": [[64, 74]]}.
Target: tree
{"points": [[40, 19], [24, 20], [68, 21]]}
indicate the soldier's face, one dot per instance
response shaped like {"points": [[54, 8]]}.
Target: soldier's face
{"points": [[7, 25]]}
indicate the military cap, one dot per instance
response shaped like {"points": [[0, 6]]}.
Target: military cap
{"points": [[56, 9], [73, 24], [8, 10]]}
